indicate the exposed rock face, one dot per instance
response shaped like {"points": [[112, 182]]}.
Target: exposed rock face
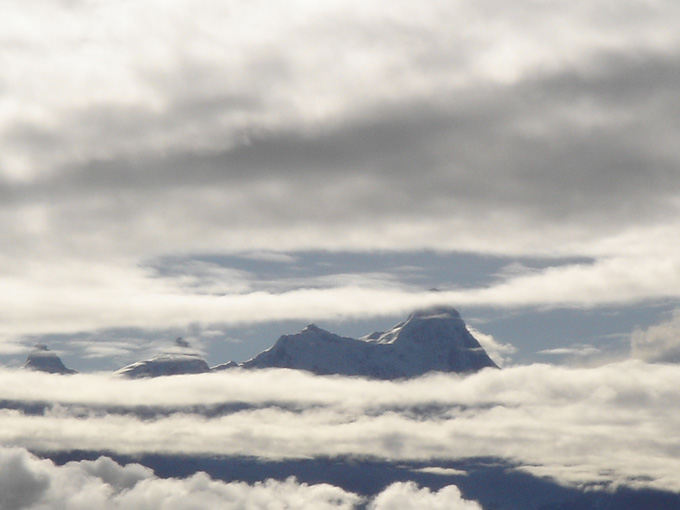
{"points": [[41, 359], [430, 340]]}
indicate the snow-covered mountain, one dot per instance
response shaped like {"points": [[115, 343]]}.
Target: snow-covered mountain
{"points": [[431, 340], [179, 360], [318, 351], [434, 339], [41, 359]]}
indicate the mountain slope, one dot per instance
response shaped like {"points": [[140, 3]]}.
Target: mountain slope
{"points": [[434, 339], [317, 351], [41, 359], [179, 360]]}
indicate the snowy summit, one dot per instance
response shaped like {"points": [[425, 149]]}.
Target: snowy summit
{"points": [[181, 359], [435, 339], [431, 340]]}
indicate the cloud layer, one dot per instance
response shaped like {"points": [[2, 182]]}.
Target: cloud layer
{"points": [[141, 142], [28, 483], [606, 426], [32, 484], [132, 132]]}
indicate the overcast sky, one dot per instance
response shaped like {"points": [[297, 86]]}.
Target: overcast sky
{"points": [[230, 171], [222, 169]]}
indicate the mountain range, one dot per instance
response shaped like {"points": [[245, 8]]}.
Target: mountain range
{"points": [[433, 339]]}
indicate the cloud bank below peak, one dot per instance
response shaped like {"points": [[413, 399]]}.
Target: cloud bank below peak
{"points": [[600, 427]]}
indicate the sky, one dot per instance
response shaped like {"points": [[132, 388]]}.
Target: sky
{"points": [[231, 171]]}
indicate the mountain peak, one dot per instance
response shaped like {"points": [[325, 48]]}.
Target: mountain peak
{"points": [[179, 359], [41, 359], [442, 322], [432, 339]]}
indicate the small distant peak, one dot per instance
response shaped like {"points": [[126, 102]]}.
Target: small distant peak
{"points": [[225, 366], [181, 358], [312, 327], [436, 312], [41, 359]]}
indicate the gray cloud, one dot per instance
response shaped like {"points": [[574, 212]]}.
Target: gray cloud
{"points": [[146, 133], [20, 487], [557, 150], [565, 142]]}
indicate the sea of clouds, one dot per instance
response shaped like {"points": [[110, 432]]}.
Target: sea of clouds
{"points": [[606, 427], [27, 482]]}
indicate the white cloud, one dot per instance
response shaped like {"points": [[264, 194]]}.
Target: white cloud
{"points": [[443, 471], [11, 346], [573, 350], [32, 484], [408, 496], [606, 281], [498, 352], [658, 343], [90, 297], [29, 483], [609, 425]]}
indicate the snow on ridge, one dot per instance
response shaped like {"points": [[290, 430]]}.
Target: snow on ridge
{"points": [[430, 340], [180, 359], [434, 339]]}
